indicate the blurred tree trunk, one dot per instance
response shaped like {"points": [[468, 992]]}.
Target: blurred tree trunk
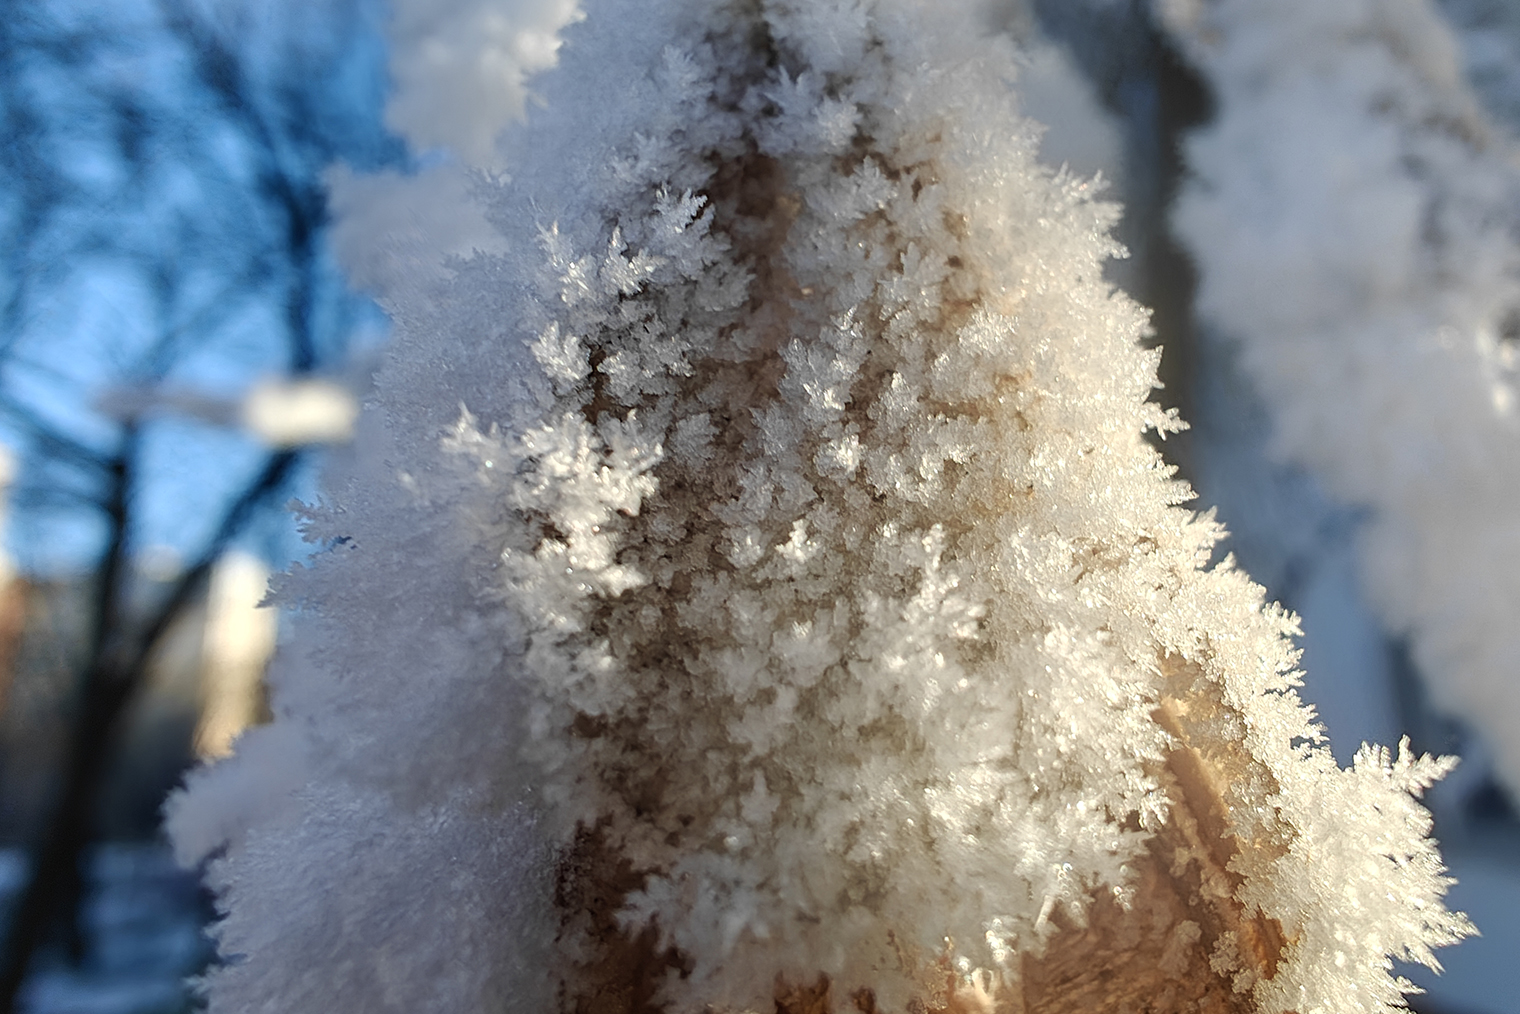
{"points": [[115, 673]]}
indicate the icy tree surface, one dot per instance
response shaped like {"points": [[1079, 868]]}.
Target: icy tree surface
{"points": [[755, 592], [1354, 220]]}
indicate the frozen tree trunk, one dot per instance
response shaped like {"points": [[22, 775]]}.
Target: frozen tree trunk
{"points": [[796, 618]]}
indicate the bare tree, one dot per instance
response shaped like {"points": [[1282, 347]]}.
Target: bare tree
{"points": [[163, 219]]}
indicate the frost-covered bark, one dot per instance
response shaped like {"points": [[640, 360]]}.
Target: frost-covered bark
{"points": [[1353, 219], [795, 617]]}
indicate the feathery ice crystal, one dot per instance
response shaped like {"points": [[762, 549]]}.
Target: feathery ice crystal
{"points": [[796, 617]]}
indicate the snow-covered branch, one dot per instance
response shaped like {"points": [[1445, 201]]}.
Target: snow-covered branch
{"points": [[796, 616]]}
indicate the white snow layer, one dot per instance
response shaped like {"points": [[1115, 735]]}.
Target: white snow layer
{"points": [[797, 574], [1353, 217]]}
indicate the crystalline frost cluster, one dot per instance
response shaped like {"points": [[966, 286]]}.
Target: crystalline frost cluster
{"points": [[754, 589]]}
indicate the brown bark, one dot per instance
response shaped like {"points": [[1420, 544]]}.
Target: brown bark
{"points": [[1183, 943], [590, 889]]}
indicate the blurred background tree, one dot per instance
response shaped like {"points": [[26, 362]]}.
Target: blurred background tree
{"points": [[173, 334]]}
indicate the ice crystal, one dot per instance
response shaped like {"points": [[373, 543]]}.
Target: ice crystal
{"points": [[795, 615]]}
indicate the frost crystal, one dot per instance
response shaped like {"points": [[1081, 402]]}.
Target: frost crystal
{"points": [[1353, 216], [795, 618]]}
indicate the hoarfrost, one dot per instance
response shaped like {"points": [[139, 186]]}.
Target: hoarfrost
{"points": [[794, 614]]}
